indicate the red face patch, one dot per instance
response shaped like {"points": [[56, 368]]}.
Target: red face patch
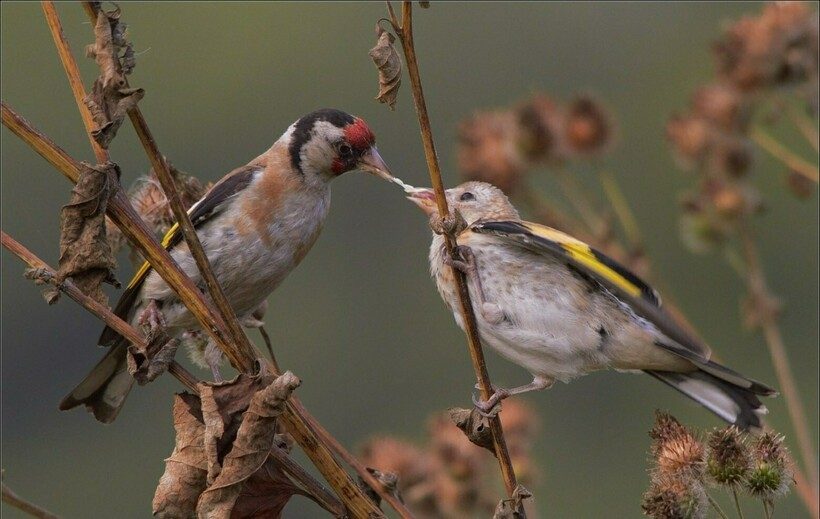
{"points": [[359, 136]]}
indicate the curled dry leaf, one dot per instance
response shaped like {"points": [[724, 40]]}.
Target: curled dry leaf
{"points": [[85, 254], [110, 96], [146, 365], [228, 495], [511, 508], [387, 60], [186, 469], [475, 426]]}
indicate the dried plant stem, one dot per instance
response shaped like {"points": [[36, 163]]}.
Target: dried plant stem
{"points": [[99, 310], [759, 291], [716, 506], [805, 126], [767, 509], [360, 469], [316, 490], [577, 196], [220, 324], [622, 210], [783, 154], [25, 506], [737, 502], [404, 30], [73, 73]]}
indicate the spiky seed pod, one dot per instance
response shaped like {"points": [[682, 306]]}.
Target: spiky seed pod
{"points": [[676, 450], [675, 498], [728, 459], [770, 476]]}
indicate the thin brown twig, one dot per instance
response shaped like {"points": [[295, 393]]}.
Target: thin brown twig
{"points": [[806, 127], [10, 497], [760, 294], [357, 465], [784, 155], [99, 310], [73, 73], [316, 490], [405, 34]]}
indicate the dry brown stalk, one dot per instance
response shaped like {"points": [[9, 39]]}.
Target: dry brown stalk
{"points": [[785, 155], [49, 275], [10, 497], [46, 273], [73, 73], [404, 30], [760, 296], [212, 322]]}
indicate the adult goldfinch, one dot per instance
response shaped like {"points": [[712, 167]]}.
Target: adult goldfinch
{"points": [[561, 309], [255, 224]]}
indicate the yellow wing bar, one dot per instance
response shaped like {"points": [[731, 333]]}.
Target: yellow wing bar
{"points": [[143, 270]]}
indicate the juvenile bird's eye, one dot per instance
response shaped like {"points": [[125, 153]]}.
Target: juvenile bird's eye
{"points": [[466, 197], [345, 150]]}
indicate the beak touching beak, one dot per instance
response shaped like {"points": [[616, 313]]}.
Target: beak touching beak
{"points": [[372, 162], [424, 198]]}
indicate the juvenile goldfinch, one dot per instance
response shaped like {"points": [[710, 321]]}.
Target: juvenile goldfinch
{"points": [[561, 309], [255, 224]]}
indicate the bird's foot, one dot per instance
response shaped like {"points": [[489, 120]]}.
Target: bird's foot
{"points": [[152, 320], [213, 358], [492, 406], [450, 225]]}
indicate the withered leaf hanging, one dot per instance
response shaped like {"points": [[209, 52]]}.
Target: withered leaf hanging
{"points": [[387, 60], [111, 97], [235, 491], [186, 469], [85, 254]]}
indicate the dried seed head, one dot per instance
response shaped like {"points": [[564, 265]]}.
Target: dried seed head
{"points": [[691, 137], [408, 462], [588, 126], [770, 476], [722, 105], [540, 122], [675, 498], [776, 48], [801, 186], [448, 444], [488, 150], [728, 459], [677, 452]]}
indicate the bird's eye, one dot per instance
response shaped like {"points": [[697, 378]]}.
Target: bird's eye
{"points": [[466, 197], [345, 150]]}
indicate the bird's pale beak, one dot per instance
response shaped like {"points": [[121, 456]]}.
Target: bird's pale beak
{"points": [[372, 162], [424, 198]]}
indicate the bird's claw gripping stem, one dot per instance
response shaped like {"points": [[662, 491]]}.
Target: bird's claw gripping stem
{"points": [[492, 406], [450, 225], [152, 320]]}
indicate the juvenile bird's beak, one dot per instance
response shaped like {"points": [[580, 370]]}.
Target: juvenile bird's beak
{"points": [[372, 162], [424, 198]]}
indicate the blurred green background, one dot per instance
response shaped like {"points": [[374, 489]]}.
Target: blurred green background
{"points": [[360, 321]]}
